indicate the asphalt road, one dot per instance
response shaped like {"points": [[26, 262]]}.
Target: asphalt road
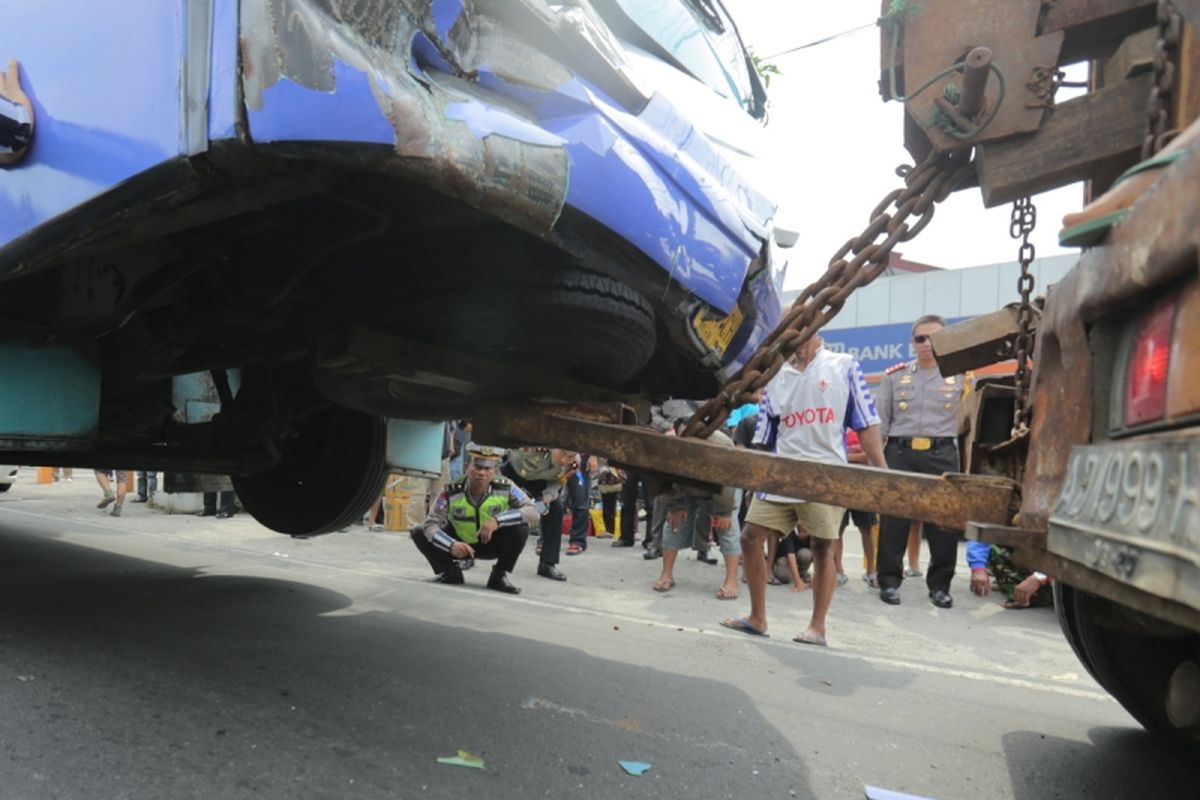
{"points": [[158, 656]]}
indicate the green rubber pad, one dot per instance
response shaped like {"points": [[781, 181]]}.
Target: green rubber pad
{"points": [[1092, 232]]}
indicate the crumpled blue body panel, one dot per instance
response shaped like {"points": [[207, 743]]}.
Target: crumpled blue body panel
{"points": [[464, 94], [645, 173]]}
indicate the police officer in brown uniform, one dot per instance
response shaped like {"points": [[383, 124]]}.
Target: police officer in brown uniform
{"points": [[918, 410]]}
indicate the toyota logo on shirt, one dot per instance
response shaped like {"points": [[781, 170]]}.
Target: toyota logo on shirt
{"points": [[809, 416]]}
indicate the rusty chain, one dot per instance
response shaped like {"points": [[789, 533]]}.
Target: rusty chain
{"points": [[1044, 86], [1024, 220], [858, 262], [1024, 213], [1166, 53]]}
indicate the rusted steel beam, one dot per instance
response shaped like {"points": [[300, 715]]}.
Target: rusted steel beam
{"points": [[1029, 551], [1062, 14], [977, 342], [1088, 580], [1094, 27], [1081, 137], [951, 500], [1005, 536]]}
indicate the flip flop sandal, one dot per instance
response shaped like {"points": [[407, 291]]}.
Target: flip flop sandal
{"points": [[1092, 231], [659, 586], [912, 573], [574, 549], [810, 638], [724, 595], [740, 625], [843, 580]]}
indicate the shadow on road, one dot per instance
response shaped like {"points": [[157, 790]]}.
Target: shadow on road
{"points": [[1118, 763], [121, 677]]}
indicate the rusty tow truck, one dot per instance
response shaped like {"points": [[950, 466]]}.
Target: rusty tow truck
{"points": [[1087, 461]]}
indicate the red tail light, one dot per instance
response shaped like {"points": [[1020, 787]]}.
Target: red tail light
{"points": [[1146, 384]]}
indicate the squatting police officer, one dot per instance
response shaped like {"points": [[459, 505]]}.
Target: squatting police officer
{"points": [[480, 515], [543, 473], [918, 411]]}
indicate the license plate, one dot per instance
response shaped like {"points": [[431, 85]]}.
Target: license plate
{"points": [[1131, 510], [717, 333]]}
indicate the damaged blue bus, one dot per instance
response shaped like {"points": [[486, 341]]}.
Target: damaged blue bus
{"points": [[347, 213]]}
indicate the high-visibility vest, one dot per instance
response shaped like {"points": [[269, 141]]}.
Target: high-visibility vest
{"points": [[467, 519]]}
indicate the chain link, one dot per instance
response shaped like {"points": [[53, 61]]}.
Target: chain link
{"points": [[1022, 223], [1024, 214], [1166, 56], [1044, 85], [858, 262]]}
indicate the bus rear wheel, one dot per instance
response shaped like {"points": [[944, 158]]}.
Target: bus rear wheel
{"points": [[327, 476]]}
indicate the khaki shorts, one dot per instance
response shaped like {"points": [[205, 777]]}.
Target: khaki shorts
{"points": [[814, 519]]}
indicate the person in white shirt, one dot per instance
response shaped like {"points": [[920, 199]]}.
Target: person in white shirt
{"points": [[804, 413]]}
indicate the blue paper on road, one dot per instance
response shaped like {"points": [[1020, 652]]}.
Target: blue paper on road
{"points": [[634, 767], [875, 793]]}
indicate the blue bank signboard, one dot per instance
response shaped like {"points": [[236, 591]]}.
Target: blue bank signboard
{"points": [[876, 347]]}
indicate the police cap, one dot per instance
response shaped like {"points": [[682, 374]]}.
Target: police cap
{"points": [[486, 455]]}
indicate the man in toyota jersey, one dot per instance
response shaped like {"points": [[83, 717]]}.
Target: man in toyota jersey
{"points": [[804, 413]]}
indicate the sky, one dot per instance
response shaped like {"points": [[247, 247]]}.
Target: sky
{"points": [[837, 145]]}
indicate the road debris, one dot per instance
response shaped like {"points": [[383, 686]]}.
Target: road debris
{"points": [[875, 793], [463, 759]]}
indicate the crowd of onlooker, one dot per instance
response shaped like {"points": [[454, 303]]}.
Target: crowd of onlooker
{"points": [[817, 407], [489, 502]]}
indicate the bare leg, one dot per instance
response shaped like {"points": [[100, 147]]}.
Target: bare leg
{"points": [[373, 514], [753, 538], [837, 555], [106, 491], [824, 582], [772, 551], [666, 581], [914, 546], [729, 589], [122, 487], [798, 582]]}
